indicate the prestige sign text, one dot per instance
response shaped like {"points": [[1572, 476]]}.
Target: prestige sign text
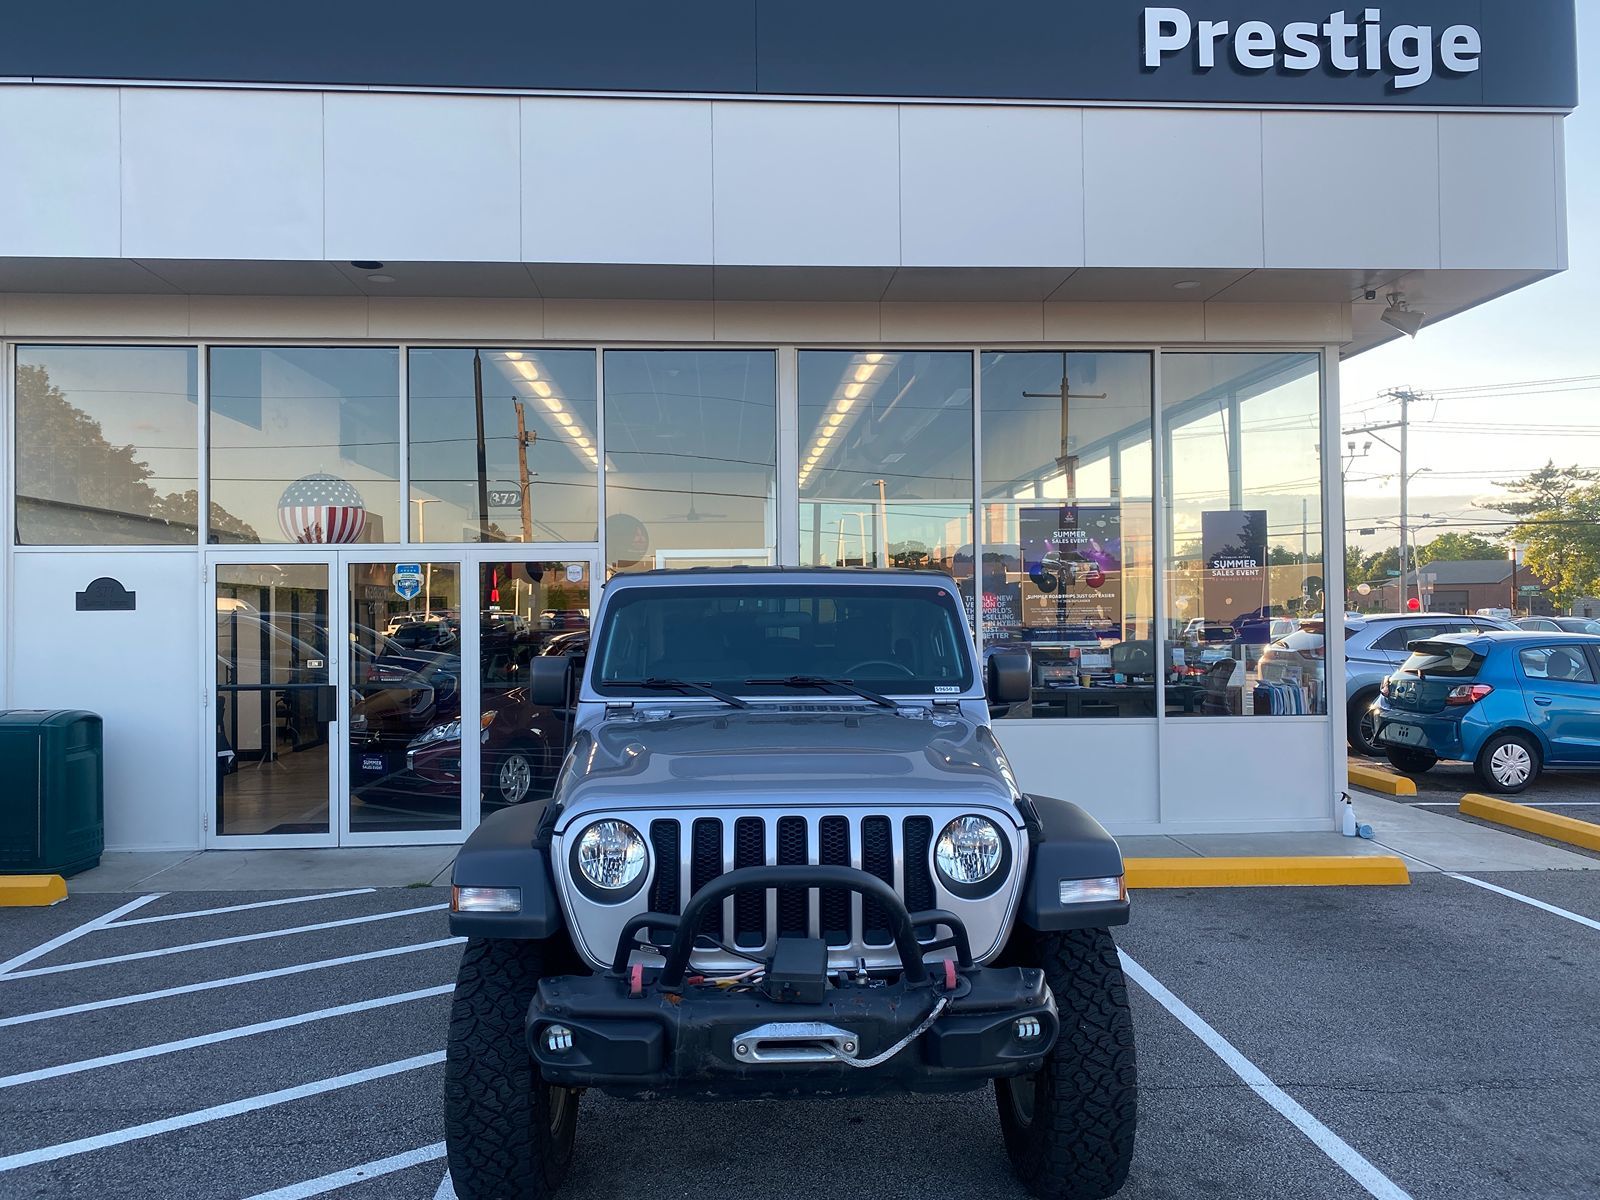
{"points": [[1347, 42]]}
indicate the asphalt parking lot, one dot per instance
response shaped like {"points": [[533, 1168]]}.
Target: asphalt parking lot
{"points": [[1434, 1040]]}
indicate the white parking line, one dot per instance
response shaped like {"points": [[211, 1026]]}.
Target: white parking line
{"points": [[60, 940], [447, 1190], [70, 1010], [233, 908], [217, 1112], [1579, 918], [224, 1035], [1345, 1156], [339, 1179], [214, 942]]}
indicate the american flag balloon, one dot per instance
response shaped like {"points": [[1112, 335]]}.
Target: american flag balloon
{"points": [[321, 510]]}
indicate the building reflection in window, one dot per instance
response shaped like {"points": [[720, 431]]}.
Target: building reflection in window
{"points": [[691, 457], [107, 446], [1067, 546], [305, 443], [886, 460], [540, 450]]}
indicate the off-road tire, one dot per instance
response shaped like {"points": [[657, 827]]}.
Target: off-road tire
{"points": [[1359, 728], [1484, 765], [1411, 762], [1077, 1143], [508, 1134]]}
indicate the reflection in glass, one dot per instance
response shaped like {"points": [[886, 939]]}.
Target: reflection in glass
{"points": [[539, 452], [691, 446], [530, 609], [273, 698], [1244, 523], [106, 446], [405, 698], [305, 443], [1067, 563], [886, 460]]}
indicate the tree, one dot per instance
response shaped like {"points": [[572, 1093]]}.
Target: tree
{"points": [[1559, 521], [1460, 547]]}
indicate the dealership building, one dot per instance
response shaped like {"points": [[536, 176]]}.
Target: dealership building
{"points": [[348, 350]]}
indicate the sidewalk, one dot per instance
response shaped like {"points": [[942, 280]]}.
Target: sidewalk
{"points": [[1429, 841]]}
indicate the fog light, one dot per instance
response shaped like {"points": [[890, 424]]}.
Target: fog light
{"points": [[558, 1039], [1093, 891], [1028, 1028], [486, 899]]}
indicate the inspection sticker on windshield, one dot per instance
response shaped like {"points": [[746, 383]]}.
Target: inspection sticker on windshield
{"points": [[945, 689]]}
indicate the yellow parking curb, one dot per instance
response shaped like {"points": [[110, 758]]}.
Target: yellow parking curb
{"points": [[1561, 829], [33, 891], [1312, 871], [1375, 780]]}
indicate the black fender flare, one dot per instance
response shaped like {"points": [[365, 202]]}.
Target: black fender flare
{"points": [[508, 850], [1067, 843]]}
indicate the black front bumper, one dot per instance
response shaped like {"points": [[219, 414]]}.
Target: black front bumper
{"points": [[664, 1031]]}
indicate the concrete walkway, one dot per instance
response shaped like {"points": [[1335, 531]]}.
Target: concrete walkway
{"points": [[1428, 840]]}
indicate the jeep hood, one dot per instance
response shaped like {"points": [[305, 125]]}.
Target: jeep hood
{"points": [[786, 759]]}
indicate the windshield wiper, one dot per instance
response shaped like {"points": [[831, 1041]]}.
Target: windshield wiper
{"points": [[678, 685], [823, 681]]}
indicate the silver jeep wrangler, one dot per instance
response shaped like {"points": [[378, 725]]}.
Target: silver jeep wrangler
{"points": [[786, 856]]}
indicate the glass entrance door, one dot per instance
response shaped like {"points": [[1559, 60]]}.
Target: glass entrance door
{"points": [[275, 704]]}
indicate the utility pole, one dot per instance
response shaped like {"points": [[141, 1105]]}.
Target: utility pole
{"points": [[524, 440], [1406, 397], [483, 453]]}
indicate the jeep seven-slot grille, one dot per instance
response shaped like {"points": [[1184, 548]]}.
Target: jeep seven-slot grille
{"points": [[840, 917]]}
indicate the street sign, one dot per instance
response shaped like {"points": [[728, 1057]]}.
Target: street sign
{"points": [[1392, 574], [1529, 589], [407, 580]]}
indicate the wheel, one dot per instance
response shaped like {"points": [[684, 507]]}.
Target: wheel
{"points": [[508, 1134], [1069, 1129], [514, 778], [1361, 728], [1508, 763], [1411, 762], [1044, 581]]}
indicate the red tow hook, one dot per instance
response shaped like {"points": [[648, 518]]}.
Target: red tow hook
{"points": [[949, 974], [636, 980]]}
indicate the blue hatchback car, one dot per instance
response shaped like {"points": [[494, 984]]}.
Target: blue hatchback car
{"points": [[1512, 704]]}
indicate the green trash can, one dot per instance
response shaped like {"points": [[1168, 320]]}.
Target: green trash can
{"points": [[52, 800]]}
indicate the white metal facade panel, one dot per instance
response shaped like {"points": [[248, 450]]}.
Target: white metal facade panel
{"points": [[1501, 192], [1107, 767], [1323, 207], [616, 181], [423, 178], [807, 184], [221, 174], [1246, 773], [59, 150], [991, 186], [138, 670], [1168, 188]]}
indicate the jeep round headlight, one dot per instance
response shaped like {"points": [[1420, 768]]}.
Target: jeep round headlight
{"points": [[611, 856], [969, 853]]}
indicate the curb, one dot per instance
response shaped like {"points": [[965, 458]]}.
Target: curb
{"points": [[1531, 820], [1375, 780], [1362, 870], [31, 891]]}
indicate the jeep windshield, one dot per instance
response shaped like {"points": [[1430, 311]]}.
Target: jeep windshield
{"points": [[900, 639]]}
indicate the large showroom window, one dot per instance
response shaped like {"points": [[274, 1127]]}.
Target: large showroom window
{"points": [[528, 417], [886, 460], [1067, 544], [1244, 573], [305, 444], [107, 446], [691, 457]]}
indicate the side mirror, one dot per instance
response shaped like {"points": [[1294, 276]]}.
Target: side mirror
{"points": [[1010, 677], [549, 681]]}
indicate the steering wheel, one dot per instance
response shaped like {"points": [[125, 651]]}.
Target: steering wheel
{"points": [[898, 668]]}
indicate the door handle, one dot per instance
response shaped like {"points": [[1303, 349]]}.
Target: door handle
{"points": [[1543, 701]]}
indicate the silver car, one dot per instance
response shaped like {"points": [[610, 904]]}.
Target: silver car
{"points": [[1374, 648]]}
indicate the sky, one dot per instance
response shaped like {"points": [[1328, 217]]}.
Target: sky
{"points": [[1549, 331]]}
